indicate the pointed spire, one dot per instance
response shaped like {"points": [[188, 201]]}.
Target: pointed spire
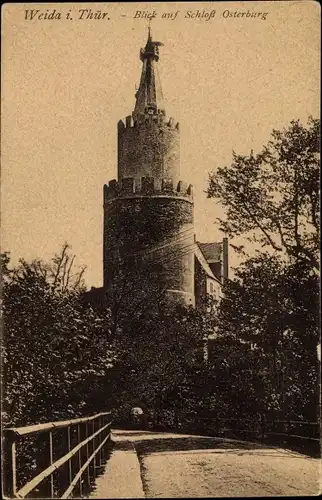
{"points": [[149, 97]]}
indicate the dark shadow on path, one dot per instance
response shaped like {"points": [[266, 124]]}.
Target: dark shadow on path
{"points": [[157, 445], [154, 442], [123, 446]]}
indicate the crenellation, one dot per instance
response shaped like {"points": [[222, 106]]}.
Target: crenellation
{"points": [[147, 185], [167, 185], [191, 190], [157, 184], [142, 186], [182, 187], [161, 118], [120, 125], [112, 191], [173, 124], [129, 121], [148, 120], [127, 185]]}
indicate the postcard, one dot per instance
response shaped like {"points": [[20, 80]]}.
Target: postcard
{"points": [[160, 249]]}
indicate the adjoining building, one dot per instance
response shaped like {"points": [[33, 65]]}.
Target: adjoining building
{"points": [[149, 209]]}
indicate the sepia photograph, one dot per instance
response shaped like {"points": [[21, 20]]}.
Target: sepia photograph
{"points": [[160, 250]]}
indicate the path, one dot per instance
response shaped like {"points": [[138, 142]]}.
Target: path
{"points": [[177, 466]]}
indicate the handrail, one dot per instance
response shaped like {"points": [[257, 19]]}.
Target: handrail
{"points": [[291, 435], [14, 434], [286, 434], [81, 470], [293, 422], [32, 429], [264, 427], [40, 477], [254, 420]]}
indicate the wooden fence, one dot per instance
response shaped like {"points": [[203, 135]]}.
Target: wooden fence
{"points": [[66, 456]]}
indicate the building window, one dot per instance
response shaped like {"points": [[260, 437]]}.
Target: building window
{"points": [[211, 287]]}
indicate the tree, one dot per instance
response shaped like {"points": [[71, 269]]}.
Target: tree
{"points": [[268, 328], [56, 351], [160, 362], [272, 198], [60, 273], [134, 288], [268, 323]]}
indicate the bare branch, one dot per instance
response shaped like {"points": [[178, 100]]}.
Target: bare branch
{"points": [[79, 277], [64, 272], [260, 227], [59, 261], [69, 270]]}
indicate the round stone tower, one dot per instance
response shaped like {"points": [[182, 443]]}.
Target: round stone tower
{"points": [[148, 210]]}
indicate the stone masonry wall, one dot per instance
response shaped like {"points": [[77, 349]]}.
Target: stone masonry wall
{"points": [[157, 229], [149, 148]]}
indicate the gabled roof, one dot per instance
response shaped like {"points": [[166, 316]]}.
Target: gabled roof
{"points": [[211, 251], [203, 262]]}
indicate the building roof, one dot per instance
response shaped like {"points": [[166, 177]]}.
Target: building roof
{"points": [[149, 97], [211, 251], [204, 264]]}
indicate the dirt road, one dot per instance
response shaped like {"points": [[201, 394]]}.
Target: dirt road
{"points": [[174, 465]]}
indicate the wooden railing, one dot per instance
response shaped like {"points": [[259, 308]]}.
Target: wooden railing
{"points": [[68, 451], [301, 434], [264, 428], [291, 431]]}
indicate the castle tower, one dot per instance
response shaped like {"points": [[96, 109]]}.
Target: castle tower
{"points": [[148, 210]]}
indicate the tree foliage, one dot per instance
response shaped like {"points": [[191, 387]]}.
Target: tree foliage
{"points": [[56, 351], [160, 362], [265, 353], [264, 357], [272, 197]]}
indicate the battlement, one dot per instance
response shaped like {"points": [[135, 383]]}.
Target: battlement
{"points": [[148, 119], [147, 186]]}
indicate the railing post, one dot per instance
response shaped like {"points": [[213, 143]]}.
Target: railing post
{"points": [[50, 463], [106, 420], [109, 430], [79, 458], [70, 475], [100, 439], [94, 448], [262, 427], [288, 429], [14, 468], [87, 456], [10, 469], [106, 433]]}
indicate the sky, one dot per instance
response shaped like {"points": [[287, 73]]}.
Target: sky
{"points": [[66, 82]]}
